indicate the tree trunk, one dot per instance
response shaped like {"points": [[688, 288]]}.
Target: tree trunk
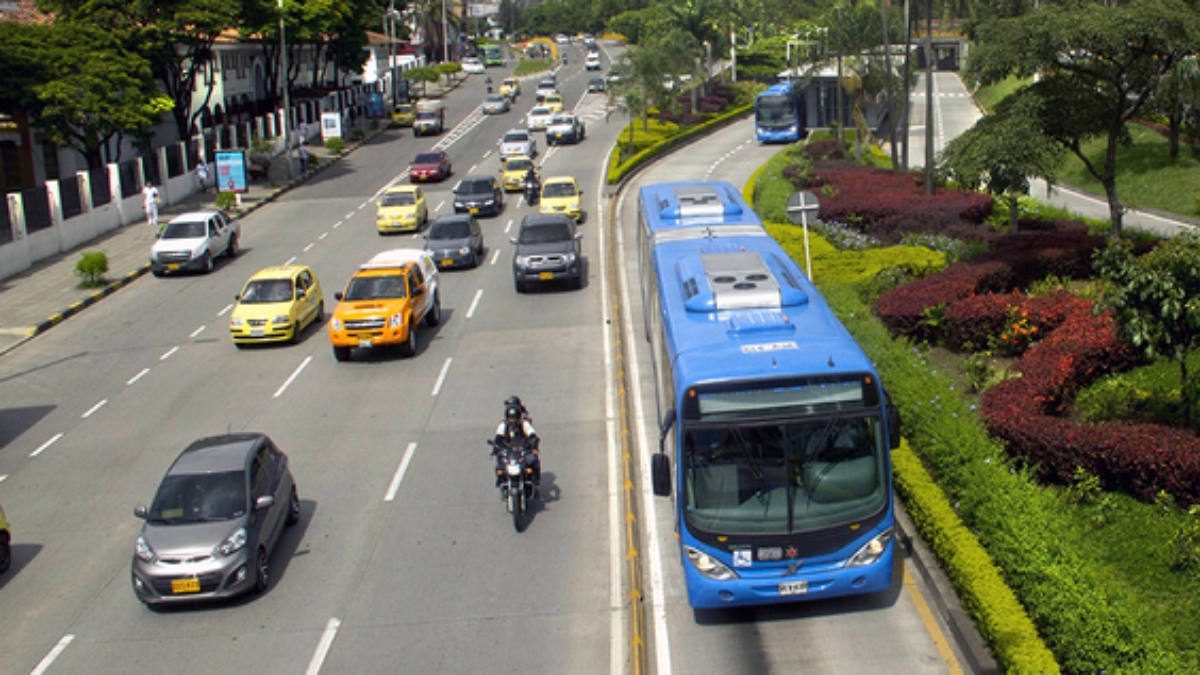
{"points": [[1012, 213], [889, 96], [1175, 122], [907, 81], [841, 132], [1108, 179]]}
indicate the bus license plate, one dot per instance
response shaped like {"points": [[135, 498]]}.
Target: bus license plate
{"points": [[185, 586], [546, 276], [793, 588]]}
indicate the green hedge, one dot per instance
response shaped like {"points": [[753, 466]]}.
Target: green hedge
{"points": [[618, 169]]}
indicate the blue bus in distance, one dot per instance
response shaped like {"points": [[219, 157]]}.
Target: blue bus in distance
{"points": [[775, 431], [779, 115]]}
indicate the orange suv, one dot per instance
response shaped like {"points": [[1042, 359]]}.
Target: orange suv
{"points": [[384, 301]]}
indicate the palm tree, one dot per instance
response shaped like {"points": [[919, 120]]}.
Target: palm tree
{"points": [[1178, 93], [426, 18]]}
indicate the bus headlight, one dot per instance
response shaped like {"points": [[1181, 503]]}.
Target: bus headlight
{"points": [[709, 566], [870, 552]]}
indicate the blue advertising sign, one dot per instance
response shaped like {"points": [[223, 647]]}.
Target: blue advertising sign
{"points": [[231, 171], [374, 104]]}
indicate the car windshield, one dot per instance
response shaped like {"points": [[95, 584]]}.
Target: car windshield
{"points": [[474, 187], [450, 229], [545, 233], [563, 119], [426, 116], [267, 290], [516, 137], [190, 229], [547, 84], [519, 165], [399, 199], [500, 100], [376, 288], [428, 158], [558, 190], [539, 111], [198, 498]]}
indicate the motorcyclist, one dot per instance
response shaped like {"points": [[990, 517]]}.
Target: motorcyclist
{"points": [[532, 184], [516, 400], [516, 429], [488, 82]]}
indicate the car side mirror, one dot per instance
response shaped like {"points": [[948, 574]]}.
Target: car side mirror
{"points": [[237, 298], [512, 240], [338, 296], [140, 511], [660, 474], [579, 235], [264, 502]]}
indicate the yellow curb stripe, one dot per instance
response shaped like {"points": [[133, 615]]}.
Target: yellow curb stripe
{"points": [[931, 625]]}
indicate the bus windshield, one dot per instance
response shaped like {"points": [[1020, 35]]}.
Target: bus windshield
{"points": [[783, 476], [775, 112]]}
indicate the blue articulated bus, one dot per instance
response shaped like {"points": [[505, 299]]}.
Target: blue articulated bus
{"points": [[776, 422], [779, 115]]}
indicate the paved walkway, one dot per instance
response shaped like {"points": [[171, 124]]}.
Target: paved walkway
{"points": [[46, 294]]}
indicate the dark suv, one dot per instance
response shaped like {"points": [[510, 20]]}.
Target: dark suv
{"points": [[479, 195], [547, 249]]}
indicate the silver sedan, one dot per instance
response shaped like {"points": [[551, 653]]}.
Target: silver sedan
{"points": [[496, 104]]}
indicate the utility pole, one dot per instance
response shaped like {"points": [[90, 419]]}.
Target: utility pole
{"points": [[928, 97], [283, 83], [445, 35]]}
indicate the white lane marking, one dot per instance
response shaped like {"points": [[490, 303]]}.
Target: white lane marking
{"points": [[442, 377], [45, 663], [400, 471], [323, 235], [364, 205], [520, 203], [318, 659], [45, 445], [349, 215], [3, 477], [440, 205], [137, 377], [290, 260], [475, 302], [337, 224], [170, 351], [197, 331], [617, 621], [495, 256], [309, 247], [295, 374], [508, 226], [94, 409], [472, 169], [487, 154], [225, 311], [661, 639]]}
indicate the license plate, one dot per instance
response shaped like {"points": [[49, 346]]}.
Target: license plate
{"points": [[257, 332], [185, 586], [447, 262], [173, 266], [546, 276], [475, 210], [364, 343], [793, 588]]}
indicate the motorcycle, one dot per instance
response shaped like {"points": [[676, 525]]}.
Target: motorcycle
{"points": [[516, 480], [532, 193]]}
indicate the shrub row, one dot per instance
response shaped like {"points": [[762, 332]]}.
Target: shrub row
{"points": [[617, 169]]}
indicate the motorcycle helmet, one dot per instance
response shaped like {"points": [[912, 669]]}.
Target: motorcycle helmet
{"points": [[513, 400], [512, 414]]}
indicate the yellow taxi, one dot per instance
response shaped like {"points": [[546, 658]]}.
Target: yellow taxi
{"points": [[554, 102], [510, 87], [5, 549], [561, 194], [512, 175], [404, 114], [276, 305], [401, 209]]}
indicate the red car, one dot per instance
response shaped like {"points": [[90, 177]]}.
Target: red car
{"points": [[431, 165]]}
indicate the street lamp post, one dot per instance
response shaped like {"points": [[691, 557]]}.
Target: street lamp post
{"points": [[445, 36], [283, 83]]}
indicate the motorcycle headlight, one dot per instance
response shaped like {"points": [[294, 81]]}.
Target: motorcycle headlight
{"points": [[513, 469], [396, 321], [282, 318], [336, 323], [709, 566], [233, 543], [142, 550], [236, 322], [872, 550]]}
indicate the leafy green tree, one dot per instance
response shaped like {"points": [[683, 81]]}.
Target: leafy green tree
{"points": [[1098, 66], [1178, 97], [81, 87], [424, 75], [850, 29], [1156, 298], [1002, 152], [174, 36]]}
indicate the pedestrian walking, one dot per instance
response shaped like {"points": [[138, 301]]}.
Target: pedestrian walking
{"points": [[150, 201], [303, 158], [202, 175]]}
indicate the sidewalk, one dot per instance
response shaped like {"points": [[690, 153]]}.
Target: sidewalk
{"points": [[45, 295]]}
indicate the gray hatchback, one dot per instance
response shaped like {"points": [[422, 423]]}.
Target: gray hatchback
{"points": [[455, 241], [214, 521]]}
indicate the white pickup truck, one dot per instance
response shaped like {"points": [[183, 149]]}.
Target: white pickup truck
{"points": [[430, 118], [190, 242]]}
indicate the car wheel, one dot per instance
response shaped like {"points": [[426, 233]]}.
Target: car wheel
{"points": [[157, 273], [320, 317], [232, 249], [577, 282], [520, 285], [240, 345], [5, 555], [262, 569], [293, 515], [434, 316], [409, 348], [341, 353], [208, 263]]}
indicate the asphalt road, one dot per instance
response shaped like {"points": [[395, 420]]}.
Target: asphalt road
{"points": [[404, 559], [893, 632]]}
